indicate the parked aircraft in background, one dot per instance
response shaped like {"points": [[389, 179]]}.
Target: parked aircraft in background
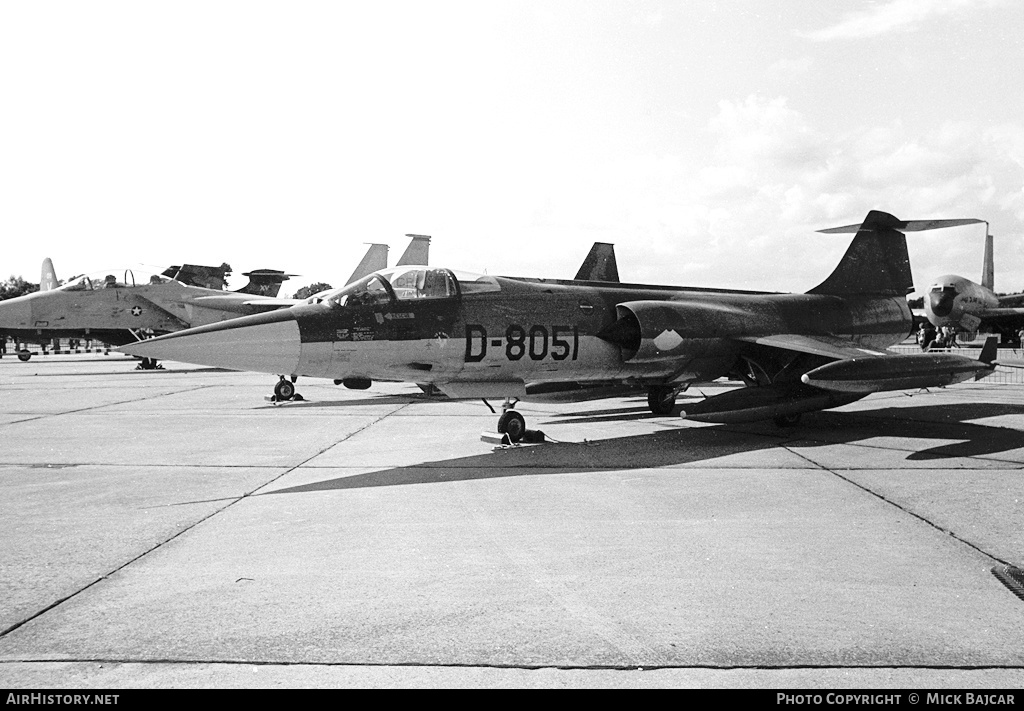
{"points": [[121, 310], [376, 257], [970, 307], [118, 308], [476, 336]]}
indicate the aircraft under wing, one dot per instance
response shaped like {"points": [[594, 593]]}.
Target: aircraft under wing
{"points": [[142, 303]]}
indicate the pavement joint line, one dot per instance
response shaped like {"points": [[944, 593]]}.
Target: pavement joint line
{"points": [[232, 502], [106, 404], [907, 511], [327, 448], [526, 667]]}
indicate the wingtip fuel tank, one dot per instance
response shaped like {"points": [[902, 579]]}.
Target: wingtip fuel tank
{"points": [[924, 370]]}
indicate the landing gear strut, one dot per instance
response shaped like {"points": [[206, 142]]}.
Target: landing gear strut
{"points": [[285, 390], [511, 423]]}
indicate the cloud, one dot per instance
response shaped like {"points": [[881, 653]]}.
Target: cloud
{"points": [[893, 16], [747, 218], [786, 69]]}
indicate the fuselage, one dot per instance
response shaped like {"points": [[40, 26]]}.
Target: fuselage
{"points": [[491, 336], [958, 302], [112, 310]]}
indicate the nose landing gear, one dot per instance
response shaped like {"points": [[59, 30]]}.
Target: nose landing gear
{"points": [[284, 390]]}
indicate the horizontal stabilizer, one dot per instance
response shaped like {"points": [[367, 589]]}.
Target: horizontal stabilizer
{"points": [[906, 225]]}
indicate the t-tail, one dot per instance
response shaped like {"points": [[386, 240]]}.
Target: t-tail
{"points": [[876, 262], [48, 277]]}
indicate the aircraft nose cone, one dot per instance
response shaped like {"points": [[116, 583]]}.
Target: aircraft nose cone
{"points": [[264, 343], [16, 313], [941, 302]]}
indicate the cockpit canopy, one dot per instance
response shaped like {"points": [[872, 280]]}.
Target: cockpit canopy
{"points": [[407, 283], [114, 279]]}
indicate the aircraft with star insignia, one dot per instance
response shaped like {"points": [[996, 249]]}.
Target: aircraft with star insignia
{"points": [[134, 304], [479, 337]]}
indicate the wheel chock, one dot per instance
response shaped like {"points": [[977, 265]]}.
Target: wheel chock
{"points": [[494, 438]]}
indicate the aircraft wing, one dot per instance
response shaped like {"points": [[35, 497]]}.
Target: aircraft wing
{"points": [[1002, 312], [827, 346], [145, 303], [277, 303]]}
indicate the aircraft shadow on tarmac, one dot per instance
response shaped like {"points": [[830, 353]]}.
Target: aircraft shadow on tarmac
{"points": [[688, 445]]}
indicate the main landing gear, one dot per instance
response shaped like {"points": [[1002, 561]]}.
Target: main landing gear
{"points": [[149, 364], [285, 390], [662, 398]]}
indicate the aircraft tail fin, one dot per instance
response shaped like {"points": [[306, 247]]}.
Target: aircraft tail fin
{"points": [[988, 269], [876, 262], [264, 282], [418, 251], [48, 277], [600, 264], [375, 259]]}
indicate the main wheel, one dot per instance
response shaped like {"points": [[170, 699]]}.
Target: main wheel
{"points": [[284, 390], [513, 424], [23, 356], [661, 400]]}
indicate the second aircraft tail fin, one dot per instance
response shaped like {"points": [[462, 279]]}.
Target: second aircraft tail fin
{"points": [[48, 278]]}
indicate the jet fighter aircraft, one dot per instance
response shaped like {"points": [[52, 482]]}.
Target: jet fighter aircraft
{"points": [[971, 307], [120, 308], [120, 311], [482, 337]]}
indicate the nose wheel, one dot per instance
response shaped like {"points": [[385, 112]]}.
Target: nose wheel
{"points": [[512, 425], [285, 390]]}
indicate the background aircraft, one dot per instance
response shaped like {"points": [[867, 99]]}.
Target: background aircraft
{"points": [[970, 307], [500, 337], [119, 311]]}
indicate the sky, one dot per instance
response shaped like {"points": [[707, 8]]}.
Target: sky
{"points": [[708, 140]]}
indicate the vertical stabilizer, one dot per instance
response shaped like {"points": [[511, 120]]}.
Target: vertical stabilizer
{"points": [[264, 282], [877, 263], [418, 251], [48, 277], [375, 260], [988, 269], [600, 264]]}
